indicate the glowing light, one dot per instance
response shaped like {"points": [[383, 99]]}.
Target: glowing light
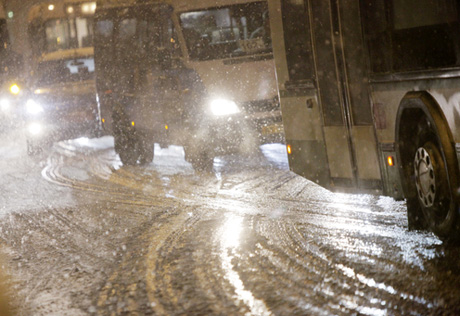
{"points": [[166, 127], [51, 7], [35, 128], [230, 234], [33, 107], [10, 14], [232, 231], [89, 8], [220, 107], [103, 120], [4, 104], [390, 161], [289, 149], [70, 10], [132, 123], [14, 89]]}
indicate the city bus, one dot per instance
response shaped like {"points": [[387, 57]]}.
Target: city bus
{"points": [[370, 100], [61, 101], [199, 74]]}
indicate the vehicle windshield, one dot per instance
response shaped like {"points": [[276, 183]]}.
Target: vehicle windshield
{"points": [[225, 32], [67, 70], [133, 38], [68, 33]]}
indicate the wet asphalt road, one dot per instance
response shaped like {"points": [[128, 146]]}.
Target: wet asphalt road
{"points": [[83, 235]]}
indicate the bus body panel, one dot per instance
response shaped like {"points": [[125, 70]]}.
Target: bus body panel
{"points": [[347, 139], [308, 154], [338, 154], [385, 74], [390, 95], [366, 154]]}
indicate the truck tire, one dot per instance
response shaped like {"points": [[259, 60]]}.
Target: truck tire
{"points": [[134, 149], [126, 148], [199, 158], [146, 150]]}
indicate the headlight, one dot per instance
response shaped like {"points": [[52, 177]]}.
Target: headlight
{"points": [[222, 107], [14, 89], [33, 107], [35, 128], [5, 104]]}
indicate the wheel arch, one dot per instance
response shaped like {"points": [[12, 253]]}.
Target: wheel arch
{"points": [[414, 106]]}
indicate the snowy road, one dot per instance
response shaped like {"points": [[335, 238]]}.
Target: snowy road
{"points": [[80, 234]]}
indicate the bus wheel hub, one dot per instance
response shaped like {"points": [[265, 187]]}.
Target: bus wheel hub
{"points": [[425, 177]]}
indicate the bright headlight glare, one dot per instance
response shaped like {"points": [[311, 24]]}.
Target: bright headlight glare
{"points": [[14, 89], [5, 104], [33, 107], [34, 128], [220, 107]]}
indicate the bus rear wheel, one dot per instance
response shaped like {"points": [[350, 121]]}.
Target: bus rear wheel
{"points": [[431, 176]]}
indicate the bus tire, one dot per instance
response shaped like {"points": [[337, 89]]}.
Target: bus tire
{"points": [[430, 175]]}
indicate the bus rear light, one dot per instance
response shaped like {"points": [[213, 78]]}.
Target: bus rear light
{"points": [[166, 127], [103, 120], [289, 149], [132, 123], [390, 161]]}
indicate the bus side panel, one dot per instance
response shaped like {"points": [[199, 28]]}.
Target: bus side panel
{"points": [[338, 155], [366, 156], [308, 156], [362, 132]]}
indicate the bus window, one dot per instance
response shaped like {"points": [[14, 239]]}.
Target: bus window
{"points": [[67, 33], [225, 32], [57, 35], [297, 40], [405, 35], [104, 29], [4, 37]]}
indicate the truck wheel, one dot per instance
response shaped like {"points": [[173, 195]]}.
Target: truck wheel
{"points": [[126, 148], [198, 158], [431, 176], [128, 156], [146, 148]]}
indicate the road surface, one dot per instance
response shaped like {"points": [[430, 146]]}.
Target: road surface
{"points": [[81, 234]]}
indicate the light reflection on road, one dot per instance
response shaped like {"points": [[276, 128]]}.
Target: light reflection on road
{"points": [[230, 240]]}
